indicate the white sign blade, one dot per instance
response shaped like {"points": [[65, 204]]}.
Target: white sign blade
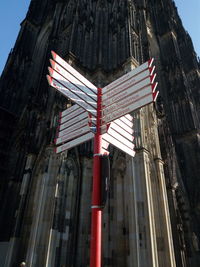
{"points": [[129, 117], [54, 83], [71, 87], [139, 81], [73, 127], [119, 137], [75, 142], [115, 100], [75, 113], [73, 80], [126, 121], [70, 69], [77, 119], [120, 131], [124, 126], [69, 110], [139, 103], [76, 133], [130, 74], [127, 101], [118, 144]]}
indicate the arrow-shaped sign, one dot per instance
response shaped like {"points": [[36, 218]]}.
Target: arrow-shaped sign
{"points": [[73, 127], [126, 121], [139, 102], [75, 73], [69, 110], [77, 119], [119, 137], [72, 135], [112, 140], [72, 115], [125, 102], [131, 83], [126, 91], [71, 87], [67, 93], [70, 78], [75, 142], [119, 130], [146, 65], [124, 126]]}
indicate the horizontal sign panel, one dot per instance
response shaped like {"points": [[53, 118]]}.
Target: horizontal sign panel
{"points": [[129, 117], [121, 131], [126, 121], [139, 103], [77, 119], [73, 80], [75, 73], [75, 142], [73, 127], [129, 75], [131, 83], [72, 135], [119, 137], [118, 144], [69, 110], [127, 101], [125, 92], [59, 87], [124, 126], [72, 115], [71, 87]]}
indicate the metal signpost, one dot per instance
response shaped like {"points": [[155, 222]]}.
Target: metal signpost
{"points": [[100, 114]]}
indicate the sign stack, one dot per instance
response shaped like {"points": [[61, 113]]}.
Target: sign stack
{"points": [[101, 114]]}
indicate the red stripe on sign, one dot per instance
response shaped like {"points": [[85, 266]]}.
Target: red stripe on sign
{"points": [[150, 62], [152, 78], [151, 70], [155, 95]]}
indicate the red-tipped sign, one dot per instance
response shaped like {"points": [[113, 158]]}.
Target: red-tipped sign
{"points": [[67, 93], [126, 102], [69, 136], [72, 115], [73, 80], [124, 78], [75, 73], [139, 102], [70, 110], [75, 142], [114, 141], [123, 125], [126, 92], [71, 87], [73, 127], [76, 119], [119, 130]]}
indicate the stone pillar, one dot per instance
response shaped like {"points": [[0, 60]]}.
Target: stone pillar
{"points": [[14, 241]]}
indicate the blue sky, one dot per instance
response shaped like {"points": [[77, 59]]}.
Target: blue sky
{"points": [[13, 12]]}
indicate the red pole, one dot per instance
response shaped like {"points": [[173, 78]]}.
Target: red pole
{"points": [[95, 243]]}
